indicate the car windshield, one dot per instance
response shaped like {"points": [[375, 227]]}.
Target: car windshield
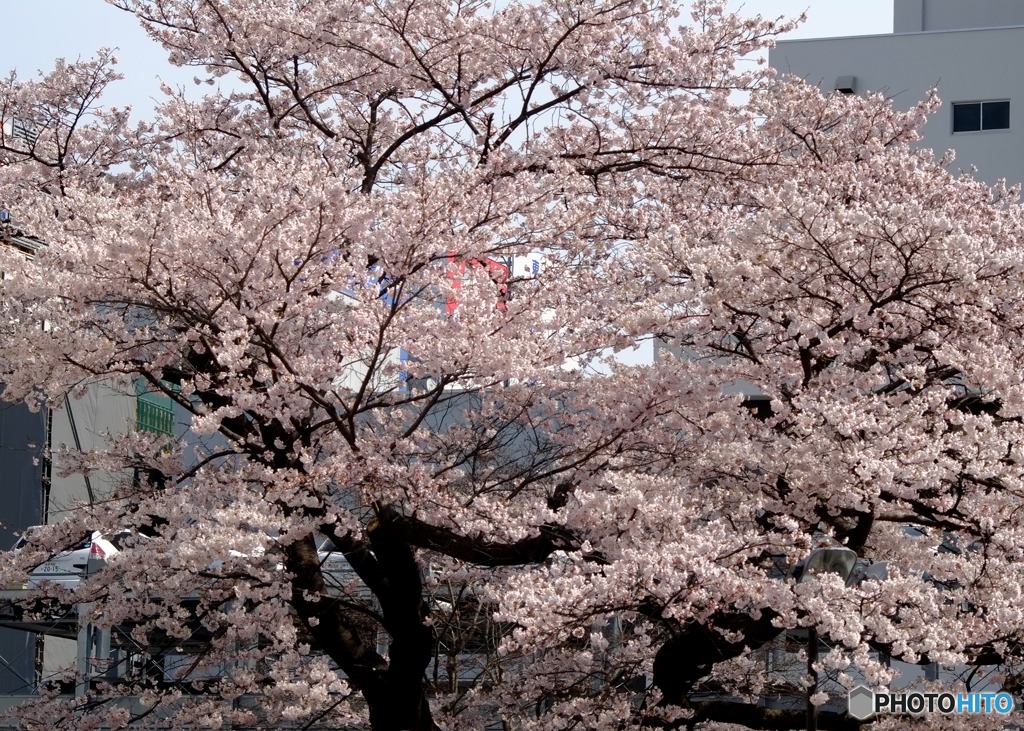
{"points": [[23, 540], [117, 540]]}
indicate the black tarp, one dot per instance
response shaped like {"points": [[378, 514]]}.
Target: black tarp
{"points": [[22, 447]]}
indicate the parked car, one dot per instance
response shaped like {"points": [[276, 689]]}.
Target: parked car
{"points": [[71, 567]]}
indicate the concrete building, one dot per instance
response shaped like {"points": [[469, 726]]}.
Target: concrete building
{"points": [[971, 50]]}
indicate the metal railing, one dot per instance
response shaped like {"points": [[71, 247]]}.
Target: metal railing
{"points": [[155, 418]]}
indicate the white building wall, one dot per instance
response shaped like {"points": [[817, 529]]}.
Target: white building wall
{"points": [[104, 411], [911, 16], [965, 65]]}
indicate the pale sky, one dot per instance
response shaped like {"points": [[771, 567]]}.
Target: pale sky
{"points": [[38, 31]]}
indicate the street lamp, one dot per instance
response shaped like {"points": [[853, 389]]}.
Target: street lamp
{"points": [[826, 561], [840, 561]]}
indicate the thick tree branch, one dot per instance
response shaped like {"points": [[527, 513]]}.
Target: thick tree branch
{"points": [[482, 552]]}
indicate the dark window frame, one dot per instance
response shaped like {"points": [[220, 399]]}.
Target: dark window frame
{"points": [[980, 116]]}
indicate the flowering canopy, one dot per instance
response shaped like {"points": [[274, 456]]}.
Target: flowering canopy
{"points": [[536, 530]]}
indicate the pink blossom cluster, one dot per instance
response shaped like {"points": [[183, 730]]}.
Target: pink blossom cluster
{"points": [[534, 533]]}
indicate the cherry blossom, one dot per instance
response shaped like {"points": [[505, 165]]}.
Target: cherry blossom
{"points": [[313, 258]]}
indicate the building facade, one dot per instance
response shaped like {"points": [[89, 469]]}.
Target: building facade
{"points": [[970, 50]]}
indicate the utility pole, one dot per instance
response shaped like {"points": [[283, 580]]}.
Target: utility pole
{"points": [[841, 561], [812, 657]]}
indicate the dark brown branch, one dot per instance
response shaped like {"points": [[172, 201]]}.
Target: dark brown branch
{"points": [[479, 551]]}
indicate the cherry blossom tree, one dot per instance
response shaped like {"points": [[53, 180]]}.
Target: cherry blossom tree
{"points": [[535, 535]]}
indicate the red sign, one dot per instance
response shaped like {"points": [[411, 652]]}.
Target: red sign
{"points": [[457, 272]]}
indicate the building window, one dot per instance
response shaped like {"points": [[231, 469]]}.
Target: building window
{"points": [[981, 116]]}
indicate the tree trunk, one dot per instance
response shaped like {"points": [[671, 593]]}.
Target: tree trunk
{"points": [[393, 687]]}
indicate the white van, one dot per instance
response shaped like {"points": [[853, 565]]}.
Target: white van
{"points": [[71, 567]]}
